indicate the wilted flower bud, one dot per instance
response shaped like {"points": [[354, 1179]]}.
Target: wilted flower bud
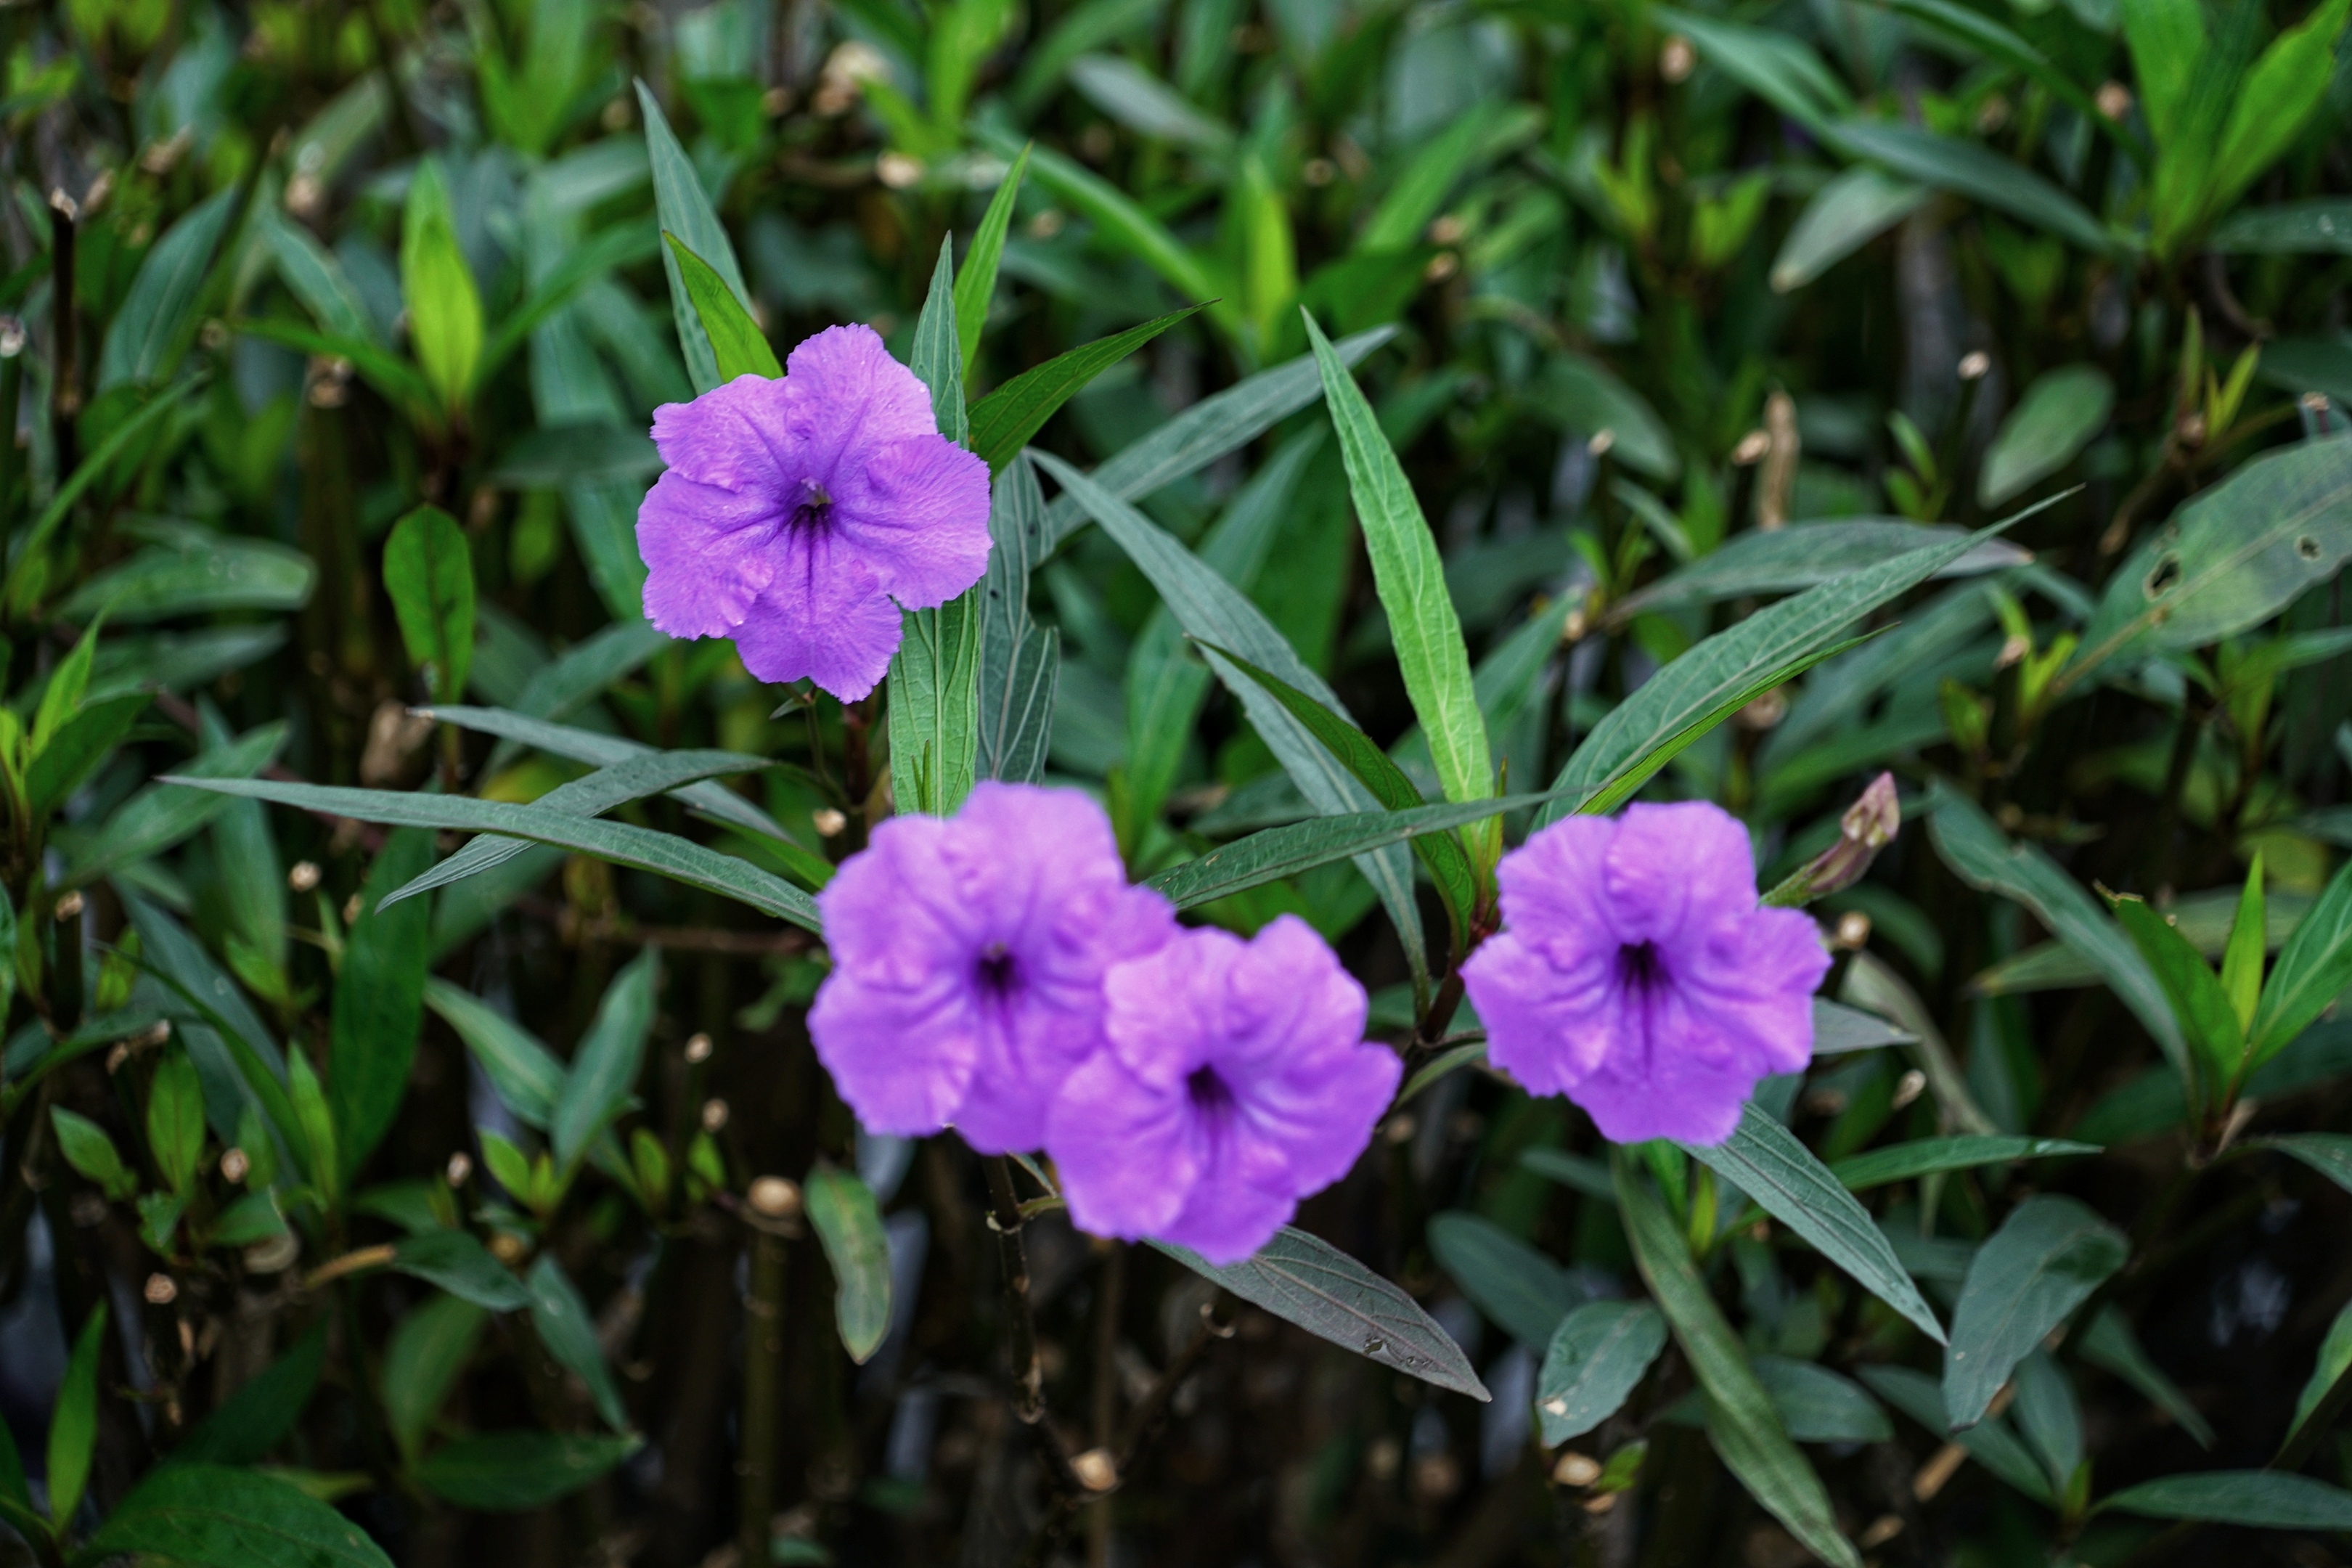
{"points": [[1869, 825]]}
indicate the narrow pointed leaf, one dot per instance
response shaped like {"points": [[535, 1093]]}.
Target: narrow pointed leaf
{"points": [[848, 1223], [2044, 1261], [976, 284], [737, 345], [683, 209], [2312, 970], [604, 1068], [1931, 1156], [1003, 422], [214, 1516]]}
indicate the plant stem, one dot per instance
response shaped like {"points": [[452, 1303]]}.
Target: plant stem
{"points": [[763, 1354], [1005, 1218]]}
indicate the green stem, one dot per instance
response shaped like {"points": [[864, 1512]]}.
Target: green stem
{"points": [[763, 1355]]}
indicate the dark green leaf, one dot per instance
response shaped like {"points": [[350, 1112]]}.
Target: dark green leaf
{"points": [[1748, 1433], [2200, 1005], [379, 1002], [1278, 852], [1839, 1029], [125, 437], [569, 1332], [187, 570], [2044, 1261], [977, 284], [660, 852], [80, 745], [847, 1221], [1595, 1360], [218, 1517], [1804, 555], [151, 328], [1003, 422], [604, 1068], [2107, 1342], [428, 570], [2319, 227], [457, 1262], [2263, 1500], [258, 1416], [1840, 218], [1306, 1280], [1989, 1442], [1020, 661], [513, 1472], [525, 1074], [2050, 425], [1519, 1288], [88, 1148], [1768, 1163], [2329, 1153], [1818, 1405], [2313, 969], [427, 1351], [1975, 171], [936, 358], [549, 459], [1906, 1161], [161, 814], [175, 1119], [73, 1420]]}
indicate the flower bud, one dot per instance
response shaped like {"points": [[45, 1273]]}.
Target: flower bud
{"points": [[1869, 825]]}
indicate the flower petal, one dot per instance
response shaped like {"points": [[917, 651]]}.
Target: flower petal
{"points": [[708, 554], [1686, 866], [737, 436], [1124, 1150], [822, 616], [916, 512], [842, 395]]}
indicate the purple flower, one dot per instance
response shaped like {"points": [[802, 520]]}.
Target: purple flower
{"points": [[968, 956], [1636, 975], [794, 511], [1235, 1082]]}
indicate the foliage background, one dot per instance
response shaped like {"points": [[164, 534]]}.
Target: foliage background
{"points": [[1661, 280]]}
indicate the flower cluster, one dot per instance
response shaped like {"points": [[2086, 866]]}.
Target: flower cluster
{"points": [[996, 972], [796, 511], [1636, 975]]}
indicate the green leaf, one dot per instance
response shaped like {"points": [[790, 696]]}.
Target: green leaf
{"points": [[1485, 130], [1518, 1287], [1804, 555], [2313, 969], [1849, 212], [514, 1472], [847, 1221], [934, 358], [214, 1516], [1596, 1359], [684, 210], [1839, 1029], [61, 699], [88, 1150], [1207, 431], [1989, 1442], [643, 773], [1278, 852], [1776, 66], [131, 433], [1449, 863], [2334, 1360], [1306, 1280], [428, 570], [1768, 1163], [1583, 396], [1131, 95], [2242, 957], [175, 1119], [457, 1263], [1748, 1433], [1411, 579], [152, 326], [976, 287], [1975, 171], [2319, 227], [525, 1074], [2044, 1261], [1003, 420], [663, 853], [2275, 99], [1931, 1156], [1020, 661], [187, 570], [312, 275], [2329, 1153], [2050, 425], [161, 814], [378, 1004], [2207, 1020], [74, 753], [569, 1332], [427, 1351], [258, 1416], [1975, 31], [2108, 1342], [73, 1419], [624, 245], [2168, 39], [1121, 225], [400, 383], [2262, 1499], [715, 802], [1214, 611], [1818, 1405], [445, 307], [2051, 1417], [549, 459], [2233, 557], [737, 345], [604, 1068], [1983, 858], [1722, 674], [316, 1117]]}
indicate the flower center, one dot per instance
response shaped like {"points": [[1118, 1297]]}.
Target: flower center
{"points": [[1639, 968], [996, 975], [1209, 1093], [814, 507]]}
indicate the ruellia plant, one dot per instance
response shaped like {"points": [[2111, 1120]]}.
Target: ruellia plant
{"points": [[1151, 782]]}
